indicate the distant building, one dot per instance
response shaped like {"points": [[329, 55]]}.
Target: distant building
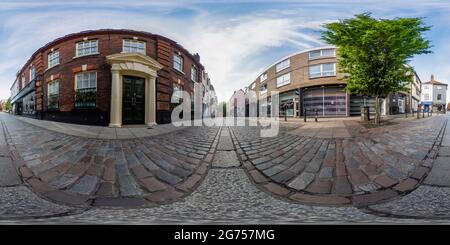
{"points": [[2, 105], [236, 104], [434, 95]]}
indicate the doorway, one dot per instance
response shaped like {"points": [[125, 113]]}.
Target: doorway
{"points": [[133, 108]]}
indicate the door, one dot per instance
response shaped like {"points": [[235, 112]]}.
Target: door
{"points": [[133, 107]]}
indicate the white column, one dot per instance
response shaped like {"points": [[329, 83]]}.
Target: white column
{"points": [[150, 101], [116, 100]]}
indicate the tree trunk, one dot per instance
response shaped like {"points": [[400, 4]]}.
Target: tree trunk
{"points": [[377, 110]]}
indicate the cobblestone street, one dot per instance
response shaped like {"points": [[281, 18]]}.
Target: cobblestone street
{"points": [[390, 174]]}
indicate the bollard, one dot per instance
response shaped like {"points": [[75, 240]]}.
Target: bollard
{"points": [[316, 113], [304, 114], [428, 113], [423, 112]]}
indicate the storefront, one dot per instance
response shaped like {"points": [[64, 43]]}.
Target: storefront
{"points": [[328, 101]]}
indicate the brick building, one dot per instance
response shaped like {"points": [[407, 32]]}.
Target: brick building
{"points": [[308, 81], [106, 77]]}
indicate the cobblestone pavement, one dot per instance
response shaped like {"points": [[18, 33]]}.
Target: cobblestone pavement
{"points": [[136, 172], [228, 189], [370, 167]]}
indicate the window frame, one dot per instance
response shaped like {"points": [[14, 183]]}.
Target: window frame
{"points": [[194, 78], [77, 48], [263, 91], [134, 41], [50, 58], [284, 81], [321, 73], [32, 72], [51, 84], [321, 55], [263, 77], [181, 63], [286, 64]]}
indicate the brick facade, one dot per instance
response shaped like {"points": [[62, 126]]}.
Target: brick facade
{"points": [[110, 42]]}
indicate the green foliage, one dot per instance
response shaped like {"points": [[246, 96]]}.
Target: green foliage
{"points": [[223, 108], [373, 53], [8, 106]]}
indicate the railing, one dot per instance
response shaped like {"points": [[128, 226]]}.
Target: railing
{"points": [[53, 101], [86, 98]]}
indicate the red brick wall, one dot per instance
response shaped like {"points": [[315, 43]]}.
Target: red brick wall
{"points": [[109, 42]]}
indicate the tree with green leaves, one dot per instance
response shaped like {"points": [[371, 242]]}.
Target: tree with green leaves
{"points": [[8, 106], [374, 53]]}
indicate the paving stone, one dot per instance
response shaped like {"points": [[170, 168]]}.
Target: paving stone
{"points": [[367, 199], [419, 173], [107, 189], [326, 173], [190, 182], [317, 199], [302, 181], [276, 189], [406, 185], [141, 172], [257, 176], [342, 186], [8, 173], [319, 187], [164, 196], [283, 176], [67, 198], [439, 173], [385, 181], [38, 186], [225, 159], [85, 185], [128, 186], [120, 202]]}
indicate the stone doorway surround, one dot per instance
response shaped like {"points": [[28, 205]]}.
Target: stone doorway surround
{"points": [[132, 64]]}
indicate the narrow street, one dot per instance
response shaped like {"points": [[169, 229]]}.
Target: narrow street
{"points": [[226, 184]]}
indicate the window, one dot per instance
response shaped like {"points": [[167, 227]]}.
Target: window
{"points": [[53, 94], [86, 89], [24, 82], [439, 97], [283, 80], [178, 62], [53, 59], [426, 96], [177, 95], [283, 65], [322, 70], [263, 88], [32, 73], [194, 74], [263, 77], [439, 87], [133, 46], [87, 48], [323, 53], [425, 86]]}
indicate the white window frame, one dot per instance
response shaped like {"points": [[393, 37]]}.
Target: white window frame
{"points": [[263, 77], [88, 80], [53, 59], [32, 72], [321, 73], [177, 95], [133, 47], [283, 80], [283, 65], [181, 63], [321, 55], [194, 78], [87, 49], [23, 81], [263, 91], [439, 87], [53, 89]]}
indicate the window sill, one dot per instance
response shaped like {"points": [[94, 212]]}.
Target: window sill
{"points": [[51, 67], [178, 71], [282, 69], [80, 56], [322, 57], [311, 78]]}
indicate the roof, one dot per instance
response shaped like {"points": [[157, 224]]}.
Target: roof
{"points": [[435, 82]]}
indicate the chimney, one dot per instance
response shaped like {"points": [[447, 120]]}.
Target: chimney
{"points": [[432, 77], [197, 57]]}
